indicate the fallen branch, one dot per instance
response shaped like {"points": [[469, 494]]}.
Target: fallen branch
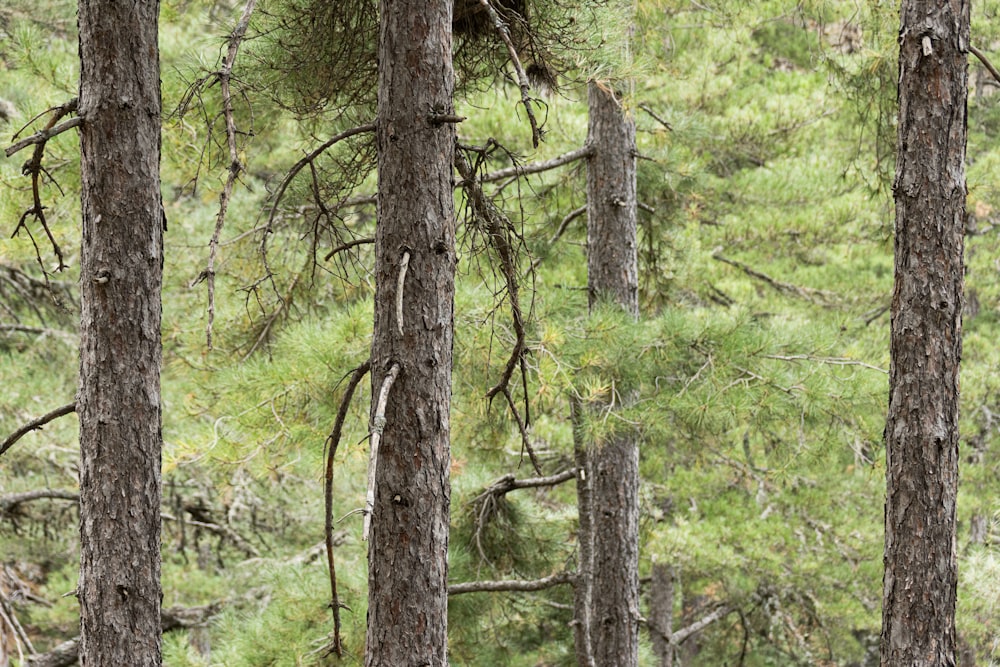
{"points": [[36, 424], [332, 443], [512, 585]]}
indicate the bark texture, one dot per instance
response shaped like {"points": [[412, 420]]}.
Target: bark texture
{"points": [[121, 267], [407, 558], [661, 613], [612, 269], [918, 616]]}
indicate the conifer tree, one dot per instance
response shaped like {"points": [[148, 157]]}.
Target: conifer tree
{"points": [[120, 280], [612, 270], [921, 433], [412, 343]]}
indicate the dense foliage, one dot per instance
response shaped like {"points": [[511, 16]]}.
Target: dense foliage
{"points": [[766, 132]]}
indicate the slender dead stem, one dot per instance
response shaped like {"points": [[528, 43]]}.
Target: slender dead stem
{"points": [[332, 443], [512, 585]]}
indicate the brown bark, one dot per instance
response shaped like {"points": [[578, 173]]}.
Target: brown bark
{"points": [[918, 616], [612, 269], [661, 613], [120, 281], [407, 559]]}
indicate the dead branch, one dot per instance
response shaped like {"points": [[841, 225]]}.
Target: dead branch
{"points": [[36, 424], [33, 167], [332, 443], [537, 167], [221, 530], [822, 297], [10, 501], [235, 166], [509, 483], [171, 618], [512, 585], [347, 246], [377, 426], [645, 107], [9, 618], [832, 361], [498, 231], [522, 76], [985, 61]]}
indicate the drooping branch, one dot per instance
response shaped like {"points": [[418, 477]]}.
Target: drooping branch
{"points": [[235, 165], [36, 424], [498, 233], [332, 443], [347, 246], [11, 500], [512, 585], [377, 426], [33, 168]]}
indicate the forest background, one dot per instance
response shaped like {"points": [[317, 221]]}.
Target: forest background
{"points": [[766, 131]]}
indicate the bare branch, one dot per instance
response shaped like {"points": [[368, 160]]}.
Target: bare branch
{"points": [[823, 297], [11, 500], [36, 424], [645, 107], [509, 483], [685, 633], [833, 361], [332, 443], [985, 61], [377, 426], [347, 246], [512, 585], [221, 530], [42, 136], [537, 167], [235, 166]]}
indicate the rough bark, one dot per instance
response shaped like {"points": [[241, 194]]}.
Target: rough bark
{"points": [[918, 616], [407, 559], [120, 279], [612, 269], [661, 613]]}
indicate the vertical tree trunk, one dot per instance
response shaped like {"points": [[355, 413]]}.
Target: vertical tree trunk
{"points": [[121, 267], [612, 269], [918, 615], [661, 613], [414, 252]]}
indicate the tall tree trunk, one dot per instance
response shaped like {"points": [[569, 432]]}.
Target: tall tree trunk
{"points": [[121, 268], [414, 252], [612, 269], [918, 615], [661, 613]]}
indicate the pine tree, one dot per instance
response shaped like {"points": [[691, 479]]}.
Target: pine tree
{"points": [[412, 343], [918, 614], [120, 280]]}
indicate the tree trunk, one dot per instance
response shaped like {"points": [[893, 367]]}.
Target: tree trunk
{"points": [[918, 615], [612, 269], [414, 252], [661, 613], [121, 266]]}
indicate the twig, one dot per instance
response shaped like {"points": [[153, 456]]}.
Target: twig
{"points": [[985, 61], [645, 107], [512, 585], [834, 361], [332, 443], [522, 76], [36, 424], [42, 136], [377, 426], [235, 166]]}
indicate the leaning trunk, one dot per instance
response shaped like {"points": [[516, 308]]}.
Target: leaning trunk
{"points": [[918, 615], [612, 269], [414, 274], [120, 279]]}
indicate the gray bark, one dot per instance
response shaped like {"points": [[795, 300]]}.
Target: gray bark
{"points": [[407, 559], [120, 282], [918, 616], [612, 269]]}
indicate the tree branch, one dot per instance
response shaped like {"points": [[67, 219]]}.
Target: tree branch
{"points": [[823, 297], [985, 61], [11, 500], [537, 167], [332, 443], [377, 425], [36, 424], [512, 585]]}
